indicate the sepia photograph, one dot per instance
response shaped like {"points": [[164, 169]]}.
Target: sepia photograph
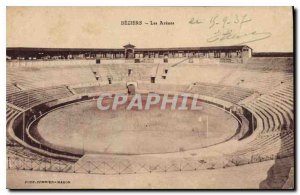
{"points": [[150, 97]]}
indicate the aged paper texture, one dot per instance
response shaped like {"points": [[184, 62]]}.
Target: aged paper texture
{"points": [[150, 98]]}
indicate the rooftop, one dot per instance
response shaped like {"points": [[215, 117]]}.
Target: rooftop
{"points": [[125, 46]]}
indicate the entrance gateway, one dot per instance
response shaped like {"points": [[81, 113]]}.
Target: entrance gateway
{"points": [[131, 86], [129, 51]]}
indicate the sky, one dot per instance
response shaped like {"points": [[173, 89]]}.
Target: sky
{"points": [[265, 29]]}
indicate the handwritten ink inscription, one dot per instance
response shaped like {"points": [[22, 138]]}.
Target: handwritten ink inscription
{"points": [[230, 28]]}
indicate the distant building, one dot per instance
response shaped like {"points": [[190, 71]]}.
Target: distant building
{"points": [[238, 53]]}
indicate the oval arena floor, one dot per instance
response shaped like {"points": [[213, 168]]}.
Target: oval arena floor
{"points": [[90, 130]]}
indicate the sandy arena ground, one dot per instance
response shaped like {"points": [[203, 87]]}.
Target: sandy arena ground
{"points": [[83, 128]]}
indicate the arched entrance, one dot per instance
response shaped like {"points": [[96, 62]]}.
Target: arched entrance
{"points": [[129, 50], [129, 53], [131, 86], [131, 89]]}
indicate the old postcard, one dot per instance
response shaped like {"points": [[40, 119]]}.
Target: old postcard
{"points": [[150, 98]]}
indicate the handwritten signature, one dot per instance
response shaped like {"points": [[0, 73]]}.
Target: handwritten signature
{"points": [[246, 37], [229, 28]]}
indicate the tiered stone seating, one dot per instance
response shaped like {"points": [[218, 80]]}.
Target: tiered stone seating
{"points": [[186, 73], [244, 124], [268, 146], [227, 93], [259, 81], [28, 98], [151, 87], [260, 78], [276, 136], [99, 88], [276, 109], [22, 158], [11, 88], [11, 113], [15, 150], [119, 72], [87, 89], [271, 63], [30, 78]]}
